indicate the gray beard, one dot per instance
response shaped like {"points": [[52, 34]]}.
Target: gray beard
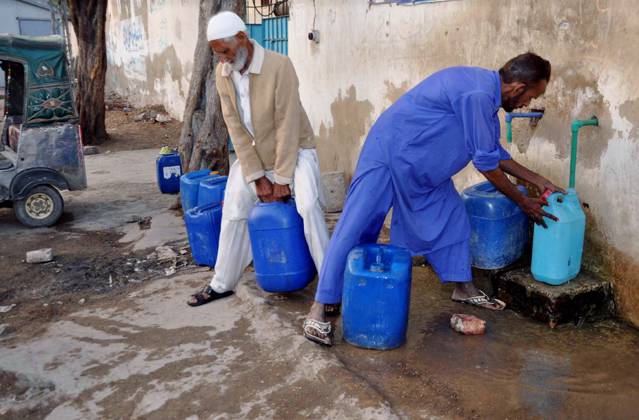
{"points": [[240, 59]]}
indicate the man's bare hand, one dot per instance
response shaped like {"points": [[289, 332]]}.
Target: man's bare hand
{"points": [[264, 189], [281, 192], [533, 208], [544, 185]]}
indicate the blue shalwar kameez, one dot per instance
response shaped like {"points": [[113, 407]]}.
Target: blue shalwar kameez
{"points": [[407, 162]]}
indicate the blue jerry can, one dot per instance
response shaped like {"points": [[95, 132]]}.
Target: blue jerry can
{"points": [[281, 257], [557, 250], [203, 229], [211, 190], [376, 296], [499, 228], [168, 169], [190, 186]]}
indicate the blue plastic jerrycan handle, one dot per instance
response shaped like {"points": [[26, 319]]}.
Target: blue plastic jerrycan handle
{"points": [[552, 197], [378, 265]]}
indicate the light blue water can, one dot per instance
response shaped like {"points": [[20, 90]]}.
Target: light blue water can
{"points": [[557, 250]]}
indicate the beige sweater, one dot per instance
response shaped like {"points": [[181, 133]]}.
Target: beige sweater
{"points": [[279, 121]]}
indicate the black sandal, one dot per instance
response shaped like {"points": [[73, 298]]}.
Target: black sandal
{"points": [[207, 295]]}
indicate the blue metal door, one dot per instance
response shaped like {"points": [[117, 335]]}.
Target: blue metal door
{"points": [[276, 34], [256, 32]]}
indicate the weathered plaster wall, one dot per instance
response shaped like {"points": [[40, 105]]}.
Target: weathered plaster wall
{"points": [[150, 45], [369, 55]]}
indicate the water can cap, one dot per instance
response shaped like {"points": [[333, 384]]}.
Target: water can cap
{"points": [[166, 150]]}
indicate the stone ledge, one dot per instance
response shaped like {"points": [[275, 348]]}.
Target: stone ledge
{"points": [[584, 299]]}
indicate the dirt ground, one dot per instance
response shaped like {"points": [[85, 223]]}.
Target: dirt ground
{"points": [[127, 134], [103, 330], [46, 292]]}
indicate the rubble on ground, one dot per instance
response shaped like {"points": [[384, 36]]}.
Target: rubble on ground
{"points": [[467, 324], [90, 150], [40, 256]]}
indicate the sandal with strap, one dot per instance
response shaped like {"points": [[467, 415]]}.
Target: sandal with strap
{"points": [[207, 295], [483, 301], [332, 309], [319, 332]]}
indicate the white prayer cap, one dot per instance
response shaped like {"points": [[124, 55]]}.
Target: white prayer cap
{"points": [[224, 25]]}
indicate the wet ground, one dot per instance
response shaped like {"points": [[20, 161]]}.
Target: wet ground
{"points": [[519, 369]]}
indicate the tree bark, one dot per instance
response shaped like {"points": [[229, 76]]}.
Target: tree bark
{"points": [[204, 138], [88, 18]]}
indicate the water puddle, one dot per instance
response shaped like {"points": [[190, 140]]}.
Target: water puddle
{"points": [[519, 369]]}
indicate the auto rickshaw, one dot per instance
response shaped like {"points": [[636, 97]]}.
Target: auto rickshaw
{"points": [[41, 142]]}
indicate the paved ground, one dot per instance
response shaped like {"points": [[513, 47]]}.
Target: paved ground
{"points": [[103, 332], [139, 351], [148, 356]]}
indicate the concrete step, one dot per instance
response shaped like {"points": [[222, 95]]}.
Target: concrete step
{"points": [[584, 299]]}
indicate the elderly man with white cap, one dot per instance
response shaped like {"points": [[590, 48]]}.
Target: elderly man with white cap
{"points": [[274, 143]]}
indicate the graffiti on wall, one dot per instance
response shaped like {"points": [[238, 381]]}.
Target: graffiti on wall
{"points": [[133, 36], [127, 45], [162, 41], [156, 5]]}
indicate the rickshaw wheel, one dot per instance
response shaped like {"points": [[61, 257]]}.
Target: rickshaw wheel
{"points": [[42, 207]]}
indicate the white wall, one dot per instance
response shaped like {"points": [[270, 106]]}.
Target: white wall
{"points": [[369, 55], [150, 45]]}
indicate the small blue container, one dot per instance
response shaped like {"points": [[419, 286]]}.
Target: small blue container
{"points": [[281, 257], [203, 229], [376, 296], [169, 169], [499, 228], [190, 186], [557, 250], [211, 190]]}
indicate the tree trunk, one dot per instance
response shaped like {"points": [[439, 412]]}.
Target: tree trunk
{"points": [[204, 138], [88, 18]]}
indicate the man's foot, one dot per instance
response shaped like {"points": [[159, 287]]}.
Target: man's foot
{"points": [[317, 312], [207, 295], [332, 310], [468, 293], [315, 326]]}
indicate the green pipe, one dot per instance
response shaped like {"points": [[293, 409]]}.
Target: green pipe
{"points": [[510, 116], [576, 125]]}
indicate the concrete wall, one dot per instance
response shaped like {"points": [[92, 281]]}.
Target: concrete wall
{"points": [[150, 45], [10, 11], [369, 55]]}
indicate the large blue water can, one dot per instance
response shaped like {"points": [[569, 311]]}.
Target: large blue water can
{"points": [[190, 186], [168, 169], [376, 296], [203, 229], [557, 250], [499, 228], [281, 257], [211, 190]]}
